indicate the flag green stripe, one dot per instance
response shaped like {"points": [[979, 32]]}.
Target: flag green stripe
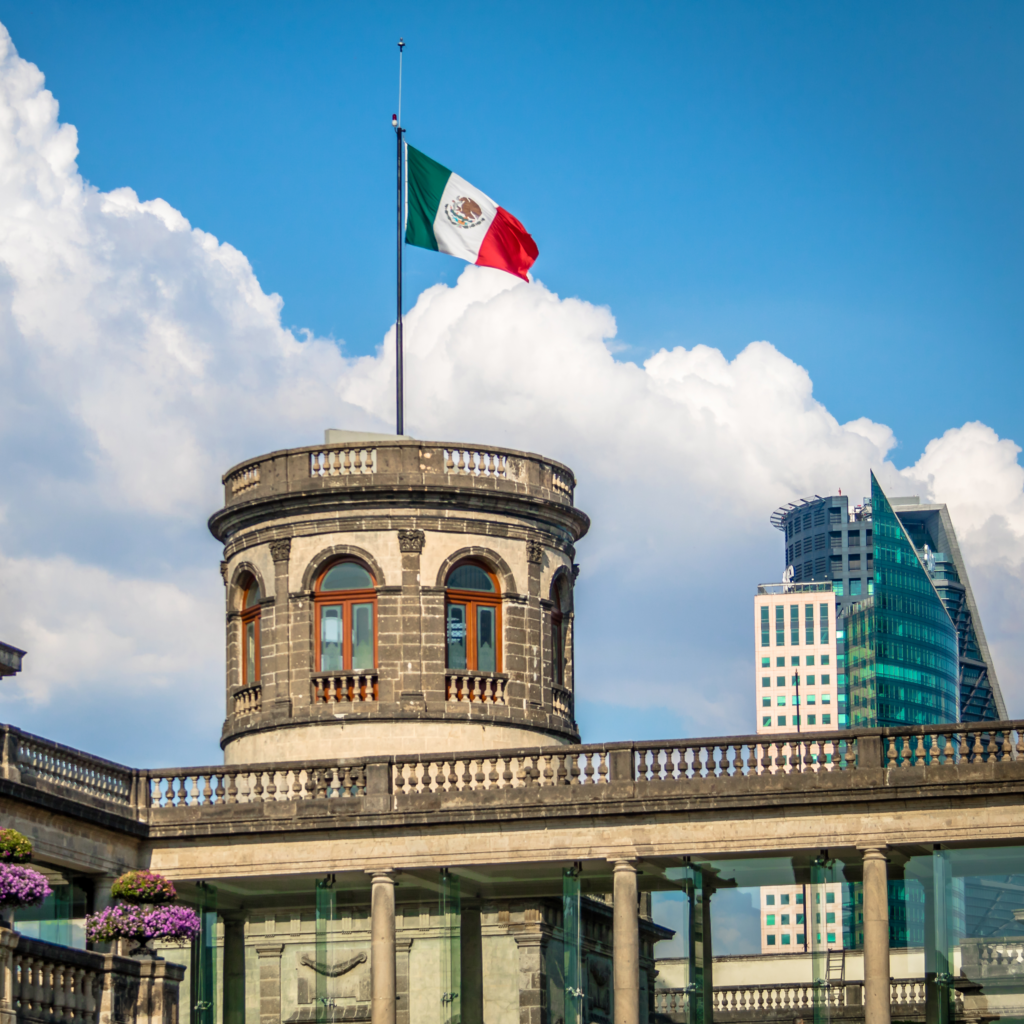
{"points": [[426, 181]]}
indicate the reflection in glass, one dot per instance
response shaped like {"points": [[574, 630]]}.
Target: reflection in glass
{"points": [[456, 628], [485, 660], [347, 576], [362, 636], [250, 652], [470, 577], [330, 638]]}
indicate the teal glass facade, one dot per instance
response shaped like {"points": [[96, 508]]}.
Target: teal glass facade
{"points": [[901, 645]]}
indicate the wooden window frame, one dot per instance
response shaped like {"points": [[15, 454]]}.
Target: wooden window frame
{"points": [[474, 599], [344, 598], [251, 615]]}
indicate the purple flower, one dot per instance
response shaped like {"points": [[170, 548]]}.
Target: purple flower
{"points": [[129, 921], [22, 887], [144, 887]]}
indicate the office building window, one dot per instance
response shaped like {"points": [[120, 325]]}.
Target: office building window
{"points": [[830, 897], [812, 720], [784, 899], [794, 625], [796, 719], [780, 662], [855, 588], [811, 698], [765, 626], [800, 917], [766, 721], [795, 662], [823, 625], [826, 719], [780, 626], [809, 660], [824, 661], [837, 585], [769, 919], [826, 698], [766, 662], [853, 539], [766, 681], [782, 720], [766, 702], [781, 700], [771, 940], [780, 680], [785, 939], [831, 936], [809, 680], [854, 563], [800, 899], [809, 623], [825, 677], [784, 919], [801, 939], [769, 901]]}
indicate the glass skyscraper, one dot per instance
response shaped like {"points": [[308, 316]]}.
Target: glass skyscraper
{"points": [[901, 644]]}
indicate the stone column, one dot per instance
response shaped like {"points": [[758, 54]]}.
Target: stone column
{"points": [[279, 664], [876, 937], [533, 1008], [403, 1013], [410, 674], [233, 996], [382, 949], [625, 943], [270, 983], [534, 677]]}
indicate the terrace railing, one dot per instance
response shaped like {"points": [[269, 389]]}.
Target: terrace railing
{"points": [[42, 764]]}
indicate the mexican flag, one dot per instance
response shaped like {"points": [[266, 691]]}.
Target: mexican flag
{"points": [[445, 213]]}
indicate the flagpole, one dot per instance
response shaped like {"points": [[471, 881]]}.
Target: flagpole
{"points": [[396, 122]]}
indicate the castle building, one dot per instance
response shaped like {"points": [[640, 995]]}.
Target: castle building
{"points": [[393, 595]]}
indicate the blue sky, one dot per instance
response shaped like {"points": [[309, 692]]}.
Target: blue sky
{"points": [[842, 180]]}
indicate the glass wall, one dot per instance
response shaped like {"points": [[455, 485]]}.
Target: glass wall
{"points": [[901, 645], [60, 918]]}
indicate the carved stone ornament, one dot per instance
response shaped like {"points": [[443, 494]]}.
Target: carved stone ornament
{"points": [[411, 541], [224, 572], [534, 552], [334, 970], [280, 550], [575, 571]]}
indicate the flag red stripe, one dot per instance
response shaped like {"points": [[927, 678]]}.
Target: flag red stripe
{"points": [[507, 246]]}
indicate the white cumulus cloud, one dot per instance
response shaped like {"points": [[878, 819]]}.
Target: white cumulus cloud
{"points": [[140, 359]]}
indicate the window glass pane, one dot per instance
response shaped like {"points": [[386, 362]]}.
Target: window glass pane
{"points": [[485, 646], [346, 576], [362, 636], [330, 638], [250, 653], [252, 596], [456, 628], [470, 577]]}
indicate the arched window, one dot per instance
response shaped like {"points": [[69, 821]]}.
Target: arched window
{"points": [[559, 629], [473, 618], [346, 618], [251, 634]]}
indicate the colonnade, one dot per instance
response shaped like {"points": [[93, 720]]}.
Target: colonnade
{"points": [[625, 952]]}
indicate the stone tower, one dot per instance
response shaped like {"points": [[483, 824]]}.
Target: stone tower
{"points": [[387, 595]]}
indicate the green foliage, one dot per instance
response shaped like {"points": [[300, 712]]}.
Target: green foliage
{"points": [[143, 887], [14, 847]]}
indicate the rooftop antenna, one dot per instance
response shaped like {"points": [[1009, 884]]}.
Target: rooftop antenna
{"points": [[396, 123]]}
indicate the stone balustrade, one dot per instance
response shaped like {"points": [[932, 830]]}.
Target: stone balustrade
{"points": [[729, 761], [249, 700], [562, 702], [479, 687], [384, 464], [254, 784], [789, 1002], [345, 687], [44, 983]]}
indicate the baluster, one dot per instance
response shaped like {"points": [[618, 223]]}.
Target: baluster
{"points": [[891, 754], [449, 462], [492, 777], [506, 775], [1006, 749], [933, 750], [462, 463], [156, 795], [919, 752], [978, 750], [89, 993], [207, 790], [905, 752], [256, 792], [61, 983], [453, 775], [602, 767], [453, 688], [182, 792]]}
